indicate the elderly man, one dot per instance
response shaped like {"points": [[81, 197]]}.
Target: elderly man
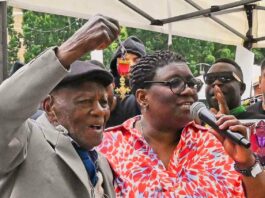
{"points": [[54, 156]]}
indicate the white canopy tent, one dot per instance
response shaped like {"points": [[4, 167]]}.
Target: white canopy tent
{"points": [[223, 21]]}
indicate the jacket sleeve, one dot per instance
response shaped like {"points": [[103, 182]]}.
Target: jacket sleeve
{"points": [[20, 96]]}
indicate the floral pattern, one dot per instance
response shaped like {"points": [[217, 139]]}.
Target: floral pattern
{"points": [[198, 166]]}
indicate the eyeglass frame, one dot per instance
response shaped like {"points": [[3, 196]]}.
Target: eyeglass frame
{"points": [[168, 83], [217, 76]]}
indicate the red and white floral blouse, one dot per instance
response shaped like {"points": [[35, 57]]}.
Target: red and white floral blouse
{"points": [[199, 167]]}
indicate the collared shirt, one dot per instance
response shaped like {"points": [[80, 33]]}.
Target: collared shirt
{"points": [[198, 167], [236, 111], [90, 161]]}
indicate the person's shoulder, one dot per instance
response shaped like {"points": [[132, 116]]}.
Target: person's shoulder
{"points": [[124, 127], [254, 107], [129, 101], [114, 129], [250, 115], [130, 107]]}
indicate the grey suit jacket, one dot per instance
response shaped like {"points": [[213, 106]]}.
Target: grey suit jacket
{"points": [[36, 159]]}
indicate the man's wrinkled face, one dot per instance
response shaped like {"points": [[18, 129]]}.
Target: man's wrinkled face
{"points": [[83, 111], [232, 89]]}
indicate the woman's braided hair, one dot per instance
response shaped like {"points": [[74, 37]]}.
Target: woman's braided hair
{"points": [[146, 68]]}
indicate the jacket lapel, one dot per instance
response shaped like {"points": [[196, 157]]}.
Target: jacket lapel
{"points": [[66, 151], [107, 174], [63, 147]]}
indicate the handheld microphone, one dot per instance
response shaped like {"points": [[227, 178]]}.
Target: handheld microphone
{"points": [[199, 110]]}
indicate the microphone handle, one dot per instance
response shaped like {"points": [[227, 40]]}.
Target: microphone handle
{"points": [[235, 137]]}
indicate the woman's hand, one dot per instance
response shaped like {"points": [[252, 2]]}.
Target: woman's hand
{"points": [[241, 155]]}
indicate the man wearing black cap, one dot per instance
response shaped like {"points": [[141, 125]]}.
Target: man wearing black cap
{"points": [[124, 104], [54, 156]]}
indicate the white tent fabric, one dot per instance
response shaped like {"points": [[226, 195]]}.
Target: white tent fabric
{"points": [[202, 28]]}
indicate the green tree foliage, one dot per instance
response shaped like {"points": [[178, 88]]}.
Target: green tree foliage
{"points": [[108, 52], [259, 55], [195, 51], [14, 39], [45, 30]]}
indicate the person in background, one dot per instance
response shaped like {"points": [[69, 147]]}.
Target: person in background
{"points": [[124, 103], [224, 88], [127, 54], [258, 129], [259, 107], [163, 153], [54, 156], [17, 65]]}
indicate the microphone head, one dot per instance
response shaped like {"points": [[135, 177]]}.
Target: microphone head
{"points": [[195, 109]]}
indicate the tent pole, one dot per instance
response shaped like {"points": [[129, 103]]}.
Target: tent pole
{"points": [[260, 7], [259, 39], [139, 11], [3, 40], [220, 22], [249, 12], [207, 11]]}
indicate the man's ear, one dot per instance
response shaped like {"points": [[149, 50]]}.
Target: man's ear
{"points": [[242, 88], [48, 107]]}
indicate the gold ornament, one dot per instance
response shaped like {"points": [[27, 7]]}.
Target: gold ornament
{"points": [[123, 90]]}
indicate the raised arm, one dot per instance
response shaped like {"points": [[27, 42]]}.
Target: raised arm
{"points": [[21, 93]]}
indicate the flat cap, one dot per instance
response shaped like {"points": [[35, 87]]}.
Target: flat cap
{"points": [[87, 70]]}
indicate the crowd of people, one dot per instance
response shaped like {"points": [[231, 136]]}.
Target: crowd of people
{"points": [[91, 140]]}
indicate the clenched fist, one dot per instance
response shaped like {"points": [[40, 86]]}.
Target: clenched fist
{"points": [[98, 33]]}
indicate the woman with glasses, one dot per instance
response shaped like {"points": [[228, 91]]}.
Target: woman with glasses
{"points": [[163, 153]]}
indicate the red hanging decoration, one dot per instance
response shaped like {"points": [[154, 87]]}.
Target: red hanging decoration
{"points": [[123, 67]]}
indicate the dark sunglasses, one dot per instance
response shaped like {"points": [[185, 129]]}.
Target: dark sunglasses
{"points": [[178, 84], [223, 77]]}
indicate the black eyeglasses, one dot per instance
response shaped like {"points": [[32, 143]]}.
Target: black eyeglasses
{"points": [[178, 84], [223, 77]]}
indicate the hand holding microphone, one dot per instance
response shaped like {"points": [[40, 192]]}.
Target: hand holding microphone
{"points": [[199, 111]]}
